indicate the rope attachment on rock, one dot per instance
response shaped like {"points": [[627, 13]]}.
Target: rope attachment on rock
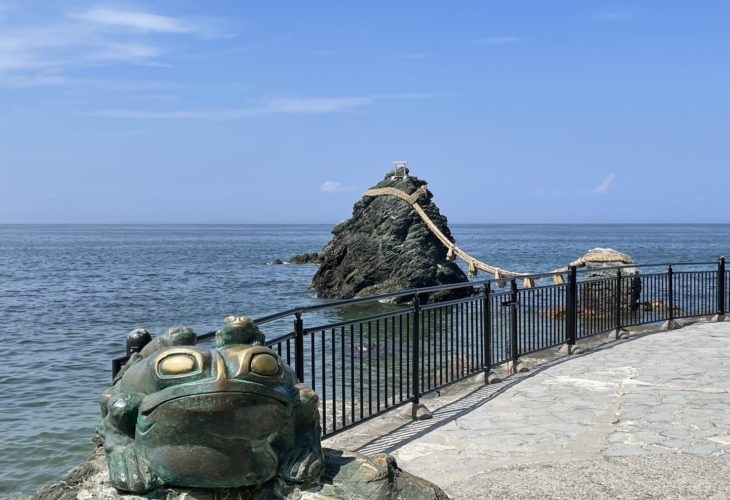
{"points": [[474, 264]]}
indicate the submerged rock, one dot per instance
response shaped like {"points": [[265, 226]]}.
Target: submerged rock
{"points": [[346, 475], [386, 247]]}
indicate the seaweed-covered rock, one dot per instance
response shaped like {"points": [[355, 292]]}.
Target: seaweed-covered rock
{"points": [[386, 247]]}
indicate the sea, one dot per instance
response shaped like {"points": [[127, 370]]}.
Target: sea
{"points": [[70, 293]]}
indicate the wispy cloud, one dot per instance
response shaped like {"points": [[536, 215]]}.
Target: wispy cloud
{"points": [[610, 16], [45, 54], [318, 104], [130, 52], [496, 40], [607, 184], [137, 20], [333, 187], [412, 55], [295, 105]]}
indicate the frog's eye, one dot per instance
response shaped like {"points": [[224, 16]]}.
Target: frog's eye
{"points": [[178, 365], [264, 364]]}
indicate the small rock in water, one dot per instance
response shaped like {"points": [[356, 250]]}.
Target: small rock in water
{"points": [[276, 262], [305, 258]]}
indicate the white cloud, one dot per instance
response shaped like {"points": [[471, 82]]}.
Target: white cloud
{"points": [[30, 53], [39, 80], [318, 104], [298, 105], [332, 187], [137, 20], [496, 40], [129, 52], [610, 16], [607, 184], [412, 55]]}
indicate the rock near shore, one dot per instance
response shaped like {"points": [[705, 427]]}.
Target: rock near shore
{"points": [[386, 247]]}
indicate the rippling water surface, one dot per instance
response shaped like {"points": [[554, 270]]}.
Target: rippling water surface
{"points": [[69, 294]]}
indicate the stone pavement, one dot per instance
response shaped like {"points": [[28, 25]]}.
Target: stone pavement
{"points": [[647, 417]]}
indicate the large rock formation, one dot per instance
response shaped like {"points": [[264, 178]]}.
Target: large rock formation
{"points": [[386, 247]]}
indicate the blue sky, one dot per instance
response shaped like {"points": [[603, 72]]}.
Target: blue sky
{"points": [[259, 112]]}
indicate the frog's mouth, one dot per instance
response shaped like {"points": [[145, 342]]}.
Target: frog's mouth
{"points": [[218, 390], [215, 435]]}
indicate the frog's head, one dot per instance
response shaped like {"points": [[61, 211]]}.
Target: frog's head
{"points": [[210, 417]]}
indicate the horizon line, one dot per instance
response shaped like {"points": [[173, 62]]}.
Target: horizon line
{"points": [[335, 223]]}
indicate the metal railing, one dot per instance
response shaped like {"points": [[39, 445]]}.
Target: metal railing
{"points": [[369, 364]]}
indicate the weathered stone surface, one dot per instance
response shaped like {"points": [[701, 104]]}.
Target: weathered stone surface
{"points": [[346, 475], [386, 247], [644, 418], [597, 295], [305, 258], [567, 349]]}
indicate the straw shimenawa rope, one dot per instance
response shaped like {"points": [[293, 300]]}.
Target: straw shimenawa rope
{"points": [[595, 255]]}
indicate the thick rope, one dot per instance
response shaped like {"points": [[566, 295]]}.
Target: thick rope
{"points": [[474, 264]]}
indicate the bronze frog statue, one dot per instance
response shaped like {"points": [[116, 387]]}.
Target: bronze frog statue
{"points": [[235, 415]]}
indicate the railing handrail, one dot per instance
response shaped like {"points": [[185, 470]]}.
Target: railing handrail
{"points": [[454, 286]]}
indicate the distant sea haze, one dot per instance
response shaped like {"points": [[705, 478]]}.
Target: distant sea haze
{"points": [[69, 294]]}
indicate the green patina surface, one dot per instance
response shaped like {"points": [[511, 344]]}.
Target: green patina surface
{"points": [[235, 415]]}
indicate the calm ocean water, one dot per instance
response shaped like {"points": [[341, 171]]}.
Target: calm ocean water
{"points": [[69, 294]]}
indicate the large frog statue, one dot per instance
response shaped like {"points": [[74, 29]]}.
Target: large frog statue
{"points": [[235, 415]]}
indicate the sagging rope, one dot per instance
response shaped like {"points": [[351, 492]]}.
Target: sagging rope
{"points": [[474, 264]]}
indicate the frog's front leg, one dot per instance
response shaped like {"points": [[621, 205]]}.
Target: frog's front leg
{"points": [[304, 463], [128, 470]]}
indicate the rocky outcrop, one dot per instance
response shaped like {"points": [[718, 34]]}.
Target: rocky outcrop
{"points": [[346, 475], [305, 258], [386, 247], [598, 294]]}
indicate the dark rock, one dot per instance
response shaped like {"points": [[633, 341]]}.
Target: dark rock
{"points": [[346, 475], [305, 258], [597, 297], [276, 262], [386, 247]]}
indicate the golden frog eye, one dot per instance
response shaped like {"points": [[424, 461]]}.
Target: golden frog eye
{"points": [[177, 364], [264, 364]]}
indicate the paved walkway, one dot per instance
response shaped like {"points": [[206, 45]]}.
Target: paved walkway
{"points": [[647, 417]]}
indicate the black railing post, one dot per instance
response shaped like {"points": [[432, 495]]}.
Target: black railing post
{"points": [[514, 341], [487, 328], [117, 364], [299, 346], [721, 286], [572, 307], [617, 304], [415, 359], [670, 293]]}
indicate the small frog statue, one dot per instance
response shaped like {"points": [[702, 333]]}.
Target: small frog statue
{"points": [[235, 415]]}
